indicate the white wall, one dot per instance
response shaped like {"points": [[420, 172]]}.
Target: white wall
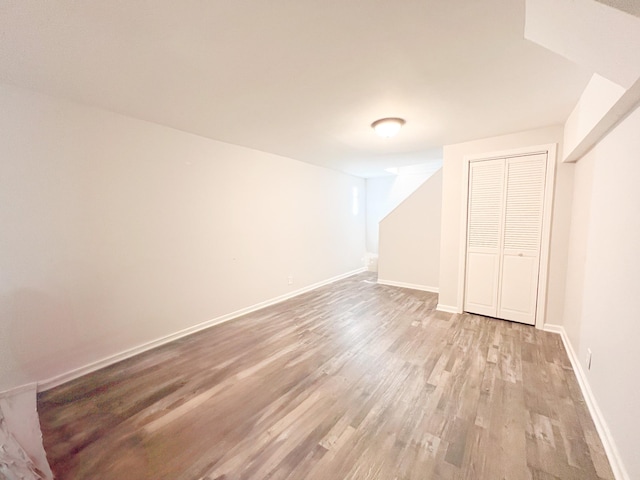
{"points": [[598, 98], [452, 193], [603, 279], [596, 36], [383, 195], [116, 232], [410, 239]]}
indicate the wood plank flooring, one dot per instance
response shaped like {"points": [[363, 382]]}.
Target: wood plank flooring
{"points": [[351, 381]]}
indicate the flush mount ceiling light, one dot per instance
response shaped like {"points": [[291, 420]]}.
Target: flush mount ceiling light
{"points": [[387, 127]]}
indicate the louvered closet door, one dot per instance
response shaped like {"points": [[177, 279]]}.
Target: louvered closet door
{"points": [[484, 233], [520, 262]]}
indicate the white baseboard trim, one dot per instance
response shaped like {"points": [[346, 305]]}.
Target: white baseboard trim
{"points": [[446, 308], [412, 286], [619, 471], [18, 390], [105, 362], [559, 329]]}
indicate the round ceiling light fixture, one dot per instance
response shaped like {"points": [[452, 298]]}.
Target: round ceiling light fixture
{"points": [[388, 127]]}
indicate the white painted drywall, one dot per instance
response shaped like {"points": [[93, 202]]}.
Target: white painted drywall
{"points": [[598, 37], [603, 279], [410, 238], [452, 193], [577, 245], [116, 232], [386, 193], [598, 98], [630, 6]]}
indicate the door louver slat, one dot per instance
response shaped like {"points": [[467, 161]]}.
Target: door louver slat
{"points": [[485, 206], [524, 204]]}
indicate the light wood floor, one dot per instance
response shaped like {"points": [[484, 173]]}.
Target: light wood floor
{"points": [[352, 381]]}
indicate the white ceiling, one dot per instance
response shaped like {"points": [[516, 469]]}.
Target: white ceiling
{"points": [[629, 6], [590, 33], [299, 78]]}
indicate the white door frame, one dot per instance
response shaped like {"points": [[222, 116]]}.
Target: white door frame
{"points": [[551, 151]]}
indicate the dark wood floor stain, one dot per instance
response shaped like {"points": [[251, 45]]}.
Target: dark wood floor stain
{"points": [[351, 381]]}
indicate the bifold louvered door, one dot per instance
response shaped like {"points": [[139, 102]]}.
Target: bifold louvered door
{"points": [[504, 229], [484, 230]]}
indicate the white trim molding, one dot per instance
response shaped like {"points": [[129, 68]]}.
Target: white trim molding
{"points": [[18, 390], [118, 357], [447, 308], [412, 286], [619, 471]]}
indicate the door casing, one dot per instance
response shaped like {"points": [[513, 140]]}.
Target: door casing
{"points": [[551, 151]]}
